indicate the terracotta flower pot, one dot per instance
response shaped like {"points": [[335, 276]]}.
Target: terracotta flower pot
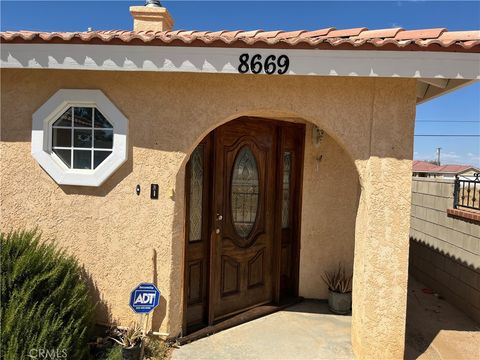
{"points": [[132, 353], [340, 303]]}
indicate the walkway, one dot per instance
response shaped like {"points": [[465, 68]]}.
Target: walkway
{"points": [[304, 331]]}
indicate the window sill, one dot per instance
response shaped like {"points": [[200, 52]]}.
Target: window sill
{"points": [[464, 214]]}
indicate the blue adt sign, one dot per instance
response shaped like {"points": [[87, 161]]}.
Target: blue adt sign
{"points": [[144, 298]]}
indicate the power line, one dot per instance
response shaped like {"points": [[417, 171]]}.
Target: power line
{"points": [[449, 121], [450, 135]]}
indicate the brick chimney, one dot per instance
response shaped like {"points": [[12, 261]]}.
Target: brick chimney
{"points": [[151, 17]]}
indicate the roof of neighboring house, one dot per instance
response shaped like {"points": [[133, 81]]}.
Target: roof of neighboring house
{"points": [[439, 39], [424, 166]]}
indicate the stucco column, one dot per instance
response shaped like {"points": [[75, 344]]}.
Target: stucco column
{"points": [[382, 226]]}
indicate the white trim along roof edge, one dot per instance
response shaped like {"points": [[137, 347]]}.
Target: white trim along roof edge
{"points": [[436, 72]]}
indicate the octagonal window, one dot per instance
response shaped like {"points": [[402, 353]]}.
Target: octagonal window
{"points": [[79, 137], [82, 138]]}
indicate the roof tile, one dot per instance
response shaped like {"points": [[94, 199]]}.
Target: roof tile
{"points": [[381, 33], [231, 34], [290, 34], [360, 38], [425, 166], [345, 32], [248, 34], [268, 34], [460, 35], [420, 34], [315, 33]]}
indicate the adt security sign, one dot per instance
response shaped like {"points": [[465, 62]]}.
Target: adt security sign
{"points": [[144, 298]]}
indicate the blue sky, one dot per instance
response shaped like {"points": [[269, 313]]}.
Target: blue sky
{"points": [[454, 113]]}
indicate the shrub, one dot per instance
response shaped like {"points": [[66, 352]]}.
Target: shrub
{"points": [[113, 353], [45, 300]]}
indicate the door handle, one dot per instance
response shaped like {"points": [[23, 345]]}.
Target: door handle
{"points": [[219, 217], [217, 231]]}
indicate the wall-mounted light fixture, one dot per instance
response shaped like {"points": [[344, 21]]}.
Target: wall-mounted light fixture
{"points": [[317, 136]]}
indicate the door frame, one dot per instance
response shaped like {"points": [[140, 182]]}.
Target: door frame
{"points": [[209, 217], [297, 190]]}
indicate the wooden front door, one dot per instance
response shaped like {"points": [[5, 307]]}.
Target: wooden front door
{"points": [[244, 195], [243, 198]]}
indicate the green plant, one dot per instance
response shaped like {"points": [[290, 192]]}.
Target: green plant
{"points": [[129, 337], [337, 280], [45, 300], [113, 353], [155, 348]]}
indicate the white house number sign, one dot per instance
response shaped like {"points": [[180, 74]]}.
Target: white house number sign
{"points": [[270, 65]]}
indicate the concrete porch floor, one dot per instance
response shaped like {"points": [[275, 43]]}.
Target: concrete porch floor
{"points": [[303, 331], [435, 331]]}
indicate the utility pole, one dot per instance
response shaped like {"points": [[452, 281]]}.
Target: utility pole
{"points": [[438, 155]]}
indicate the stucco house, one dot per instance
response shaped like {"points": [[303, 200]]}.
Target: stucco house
{"points": [[231, 168], [447, 171]]}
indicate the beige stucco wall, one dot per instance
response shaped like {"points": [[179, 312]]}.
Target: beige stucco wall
{"points": [[123, 238], [331, 191]]}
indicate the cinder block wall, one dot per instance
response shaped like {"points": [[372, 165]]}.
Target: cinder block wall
{"points": [[444, 251]]}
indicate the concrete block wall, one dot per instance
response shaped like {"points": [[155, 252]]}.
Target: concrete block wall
{"points": [[444, 251]]}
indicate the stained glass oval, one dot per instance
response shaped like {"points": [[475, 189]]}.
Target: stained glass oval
{"points": [[244, 192]]}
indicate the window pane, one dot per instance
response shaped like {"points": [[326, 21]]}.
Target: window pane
{"points": [[103, 139], [287, 165], [82, 117], [64, 155], [82, 138], [82, 159], [100, 121], [99, 156], [62, 137], [196, 194], [244, 192], [65, 119]]}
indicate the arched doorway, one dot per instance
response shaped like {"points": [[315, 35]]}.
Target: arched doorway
{"points": [[243, 192]]}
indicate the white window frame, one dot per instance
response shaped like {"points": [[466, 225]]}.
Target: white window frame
{"points": [[51, 110]]}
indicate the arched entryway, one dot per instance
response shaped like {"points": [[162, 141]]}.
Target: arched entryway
{"points": [[243, 192]]}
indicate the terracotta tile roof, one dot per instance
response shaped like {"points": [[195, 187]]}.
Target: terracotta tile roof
{"points": [[424, 166], [454, 168], [328, 38]]}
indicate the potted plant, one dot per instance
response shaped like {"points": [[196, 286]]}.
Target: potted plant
{"points": [[340, 290], [131, 341]]}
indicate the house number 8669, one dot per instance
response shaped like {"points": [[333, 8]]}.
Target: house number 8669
{"points": [[270, 65]]}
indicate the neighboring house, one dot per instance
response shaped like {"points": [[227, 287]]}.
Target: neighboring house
{"points": [[429, 170], [192, 159]]}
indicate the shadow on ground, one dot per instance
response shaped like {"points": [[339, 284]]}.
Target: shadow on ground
{"points": [[303, 331], [436, 329]]}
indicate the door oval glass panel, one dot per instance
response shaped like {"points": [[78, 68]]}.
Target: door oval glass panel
{"points": [[244, 192]]}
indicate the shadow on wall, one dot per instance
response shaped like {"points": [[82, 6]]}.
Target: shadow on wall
{"points": [[414, 242], [103, 314], [443, 313], [160, 311], [453, 279]]}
